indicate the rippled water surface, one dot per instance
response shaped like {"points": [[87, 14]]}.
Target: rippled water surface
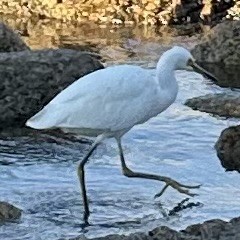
{"points": [[38, 172]]}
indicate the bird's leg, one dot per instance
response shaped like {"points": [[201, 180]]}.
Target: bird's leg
{"points": [[81, 176], [168, 181]]}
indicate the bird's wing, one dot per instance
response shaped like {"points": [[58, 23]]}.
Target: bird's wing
{"points": [[114, 98]]}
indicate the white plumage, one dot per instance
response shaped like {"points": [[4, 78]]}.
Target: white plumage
{"points": [[110, 101]]}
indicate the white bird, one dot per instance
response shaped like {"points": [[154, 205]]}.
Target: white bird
{"points": [[107, 103]]}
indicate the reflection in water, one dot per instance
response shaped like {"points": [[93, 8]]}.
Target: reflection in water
{"points": [[89, 36], [38, 172]]}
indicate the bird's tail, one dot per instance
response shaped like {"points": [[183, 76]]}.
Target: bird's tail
{"points": [[41, 120]]}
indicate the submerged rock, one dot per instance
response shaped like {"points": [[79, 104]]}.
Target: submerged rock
{"points": [[222, 104], [228, 148], [10, 41], [30, 79], [219, 52], [9, 212]]}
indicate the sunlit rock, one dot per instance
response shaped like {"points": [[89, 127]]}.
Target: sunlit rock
{"points": [[145, 12], [234, 11]]}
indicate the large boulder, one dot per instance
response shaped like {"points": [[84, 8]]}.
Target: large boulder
{"points": [[8, 212], [221, 104], [228, 148], [10, 41], [30, 79], [219, 52], [220, 45]]}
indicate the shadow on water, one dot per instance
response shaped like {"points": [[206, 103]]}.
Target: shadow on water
{"points": [[167, 214], [27, 147]]}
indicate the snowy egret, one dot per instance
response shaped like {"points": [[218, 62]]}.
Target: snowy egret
{"points": [[107, 103]]}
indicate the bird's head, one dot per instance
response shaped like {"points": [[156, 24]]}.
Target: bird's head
{"points": [[180, 58]]}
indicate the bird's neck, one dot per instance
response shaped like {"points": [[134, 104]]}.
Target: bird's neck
{"points": [[166, 75]]}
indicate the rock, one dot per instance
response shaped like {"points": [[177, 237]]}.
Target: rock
{"points": [[215, 11], [228, 148], [8, 212], [227, 75], [186, 12], [210, 230], [234, 11], [228, 144], [10, 41], [219, 52], [221, 104], [133, 236], [147, 12], [165, 233], [216, 229], [220, 45], [30, 79]]}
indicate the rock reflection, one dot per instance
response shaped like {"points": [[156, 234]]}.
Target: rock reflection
{"points": [[55, 34]]}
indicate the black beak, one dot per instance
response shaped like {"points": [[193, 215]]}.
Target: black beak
{"points": [[202, 71]]}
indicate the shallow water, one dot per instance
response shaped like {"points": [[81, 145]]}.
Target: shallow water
{"points": [[38, 174]]}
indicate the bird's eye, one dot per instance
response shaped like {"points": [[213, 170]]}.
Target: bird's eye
{"points": [[190, 62]]}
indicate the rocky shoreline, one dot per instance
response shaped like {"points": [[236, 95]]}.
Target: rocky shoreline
{"points": [[22, 67], [219, 52], [210, 230], [29, 79], [214, 229], [146, 12]]}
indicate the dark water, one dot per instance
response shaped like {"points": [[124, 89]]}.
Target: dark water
{"points": [[38, 174]]}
